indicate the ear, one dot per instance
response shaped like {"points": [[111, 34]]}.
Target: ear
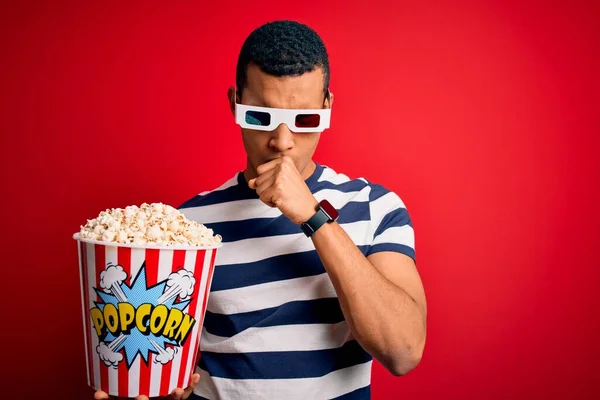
{"points": [[329, 99], [231, 96]]}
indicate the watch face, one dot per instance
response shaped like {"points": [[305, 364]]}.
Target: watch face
{"points": [[329, 210]]}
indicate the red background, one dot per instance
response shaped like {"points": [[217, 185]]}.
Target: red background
{"points": [[483, 117]]}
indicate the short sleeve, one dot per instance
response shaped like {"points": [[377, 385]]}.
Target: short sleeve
{"points": [[390, 223]]}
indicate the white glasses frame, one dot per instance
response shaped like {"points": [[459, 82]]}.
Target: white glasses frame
{"points": [[282, 116]]}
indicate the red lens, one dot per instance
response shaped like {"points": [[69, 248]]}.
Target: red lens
{"points": [[308, 120]]}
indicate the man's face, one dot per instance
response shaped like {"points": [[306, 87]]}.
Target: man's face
{"points": [[294, 92]]}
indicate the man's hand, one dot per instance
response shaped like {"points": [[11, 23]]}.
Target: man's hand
{"points": [[177, 394], [279, 184]]}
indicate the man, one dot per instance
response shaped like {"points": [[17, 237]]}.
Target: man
{"points": [[317, 273]]}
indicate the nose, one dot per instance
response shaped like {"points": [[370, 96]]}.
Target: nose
{"points": [[282, 139]]}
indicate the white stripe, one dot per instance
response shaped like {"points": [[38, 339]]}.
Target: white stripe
{"points": [[271, 294], [384, 205], [305, 337], [329, 175], [138, 256], [134, 377], [231, 182], [113, 373], [204, 284], [237, 210], [83, 308], [137, 259], [397, 234], [91, 262], [339, 199], [334, 384], [241, 210], [165, 266], [193, 339], [188, 264], [256, 249]]}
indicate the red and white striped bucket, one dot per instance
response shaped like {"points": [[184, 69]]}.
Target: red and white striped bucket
{"points": [[143, 310]]}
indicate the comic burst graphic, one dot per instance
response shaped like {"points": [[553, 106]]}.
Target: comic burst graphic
{"points": [[132, 327]]}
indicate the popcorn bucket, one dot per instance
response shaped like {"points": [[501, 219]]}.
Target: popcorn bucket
{"points": [[143, 310]]}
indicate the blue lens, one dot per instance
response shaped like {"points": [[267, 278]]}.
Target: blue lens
{"points": [[258, 118]]}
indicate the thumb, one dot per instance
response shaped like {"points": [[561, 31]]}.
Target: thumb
{"points": [[193, 382], [252, 183], [100, 395]]}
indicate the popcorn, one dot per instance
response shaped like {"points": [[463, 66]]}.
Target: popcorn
{"points": [[149, 224]]}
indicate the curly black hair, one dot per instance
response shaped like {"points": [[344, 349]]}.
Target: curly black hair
{"points": [[282, 48]]}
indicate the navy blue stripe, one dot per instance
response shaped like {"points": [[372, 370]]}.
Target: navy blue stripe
{"points": [[354, 211], [232, 193], [350, 186], [398, 248], [237, 192], [196, 397], [319, 311], [241, 191], [377, 191], [398, 217], [284, 364], [358, 394], [278, 268], [232, 231]]}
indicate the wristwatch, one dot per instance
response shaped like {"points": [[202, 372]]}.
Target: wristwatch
{"points": [[325, 213]]}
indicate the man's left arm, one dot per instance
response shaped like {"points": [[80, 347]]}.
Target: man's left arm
{"points": [[381, 296]]}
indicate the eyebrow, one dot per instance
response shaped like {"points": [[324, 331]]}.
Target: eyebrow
{"points": [[300, 107]]}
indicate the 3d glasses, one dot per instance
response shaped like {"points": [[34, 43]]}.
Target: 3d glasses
{"points": [[267, 119]]}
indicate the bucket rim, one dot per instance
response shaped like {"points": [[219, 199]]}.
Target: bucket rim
{"points": [[77, 236]]}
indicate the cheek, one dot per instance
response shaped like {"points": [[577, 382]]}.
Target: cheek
{"points": [[250, 140], [308, 141], [253, 142]]}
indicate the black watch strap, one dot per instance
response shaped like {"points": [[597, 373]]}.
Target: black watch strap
{"points": [[314, 223]]}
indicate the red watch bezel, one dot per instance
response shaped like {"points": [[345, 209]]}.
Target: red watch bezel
{"points": [[328, 209]]}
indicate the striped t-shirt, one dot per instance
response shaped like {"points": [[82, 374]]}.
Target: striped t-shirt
{"points": [[274, 328]]}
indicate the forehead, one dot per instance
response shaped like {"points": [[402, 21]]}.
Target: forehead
{"points": [[299, 91]]}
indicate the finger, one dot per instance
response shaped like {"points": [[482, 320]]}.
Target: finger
{"points": [[264, 185], [265, 176], [268, 165], [194, 379], [142, 397], [255, 182], [100, 395], [177, 394], [272, 196]]}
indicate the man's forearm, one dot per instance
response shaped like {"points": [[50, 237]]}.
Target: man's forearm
{"points": [[382, 317]]}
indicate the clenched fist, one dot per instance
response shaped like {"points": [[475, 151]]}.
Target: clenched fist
{"points": [[279, 184]]}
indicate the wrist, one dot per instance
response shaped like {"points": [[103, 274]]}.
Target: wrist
{"points": [[309, 212], [324, 213]]}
